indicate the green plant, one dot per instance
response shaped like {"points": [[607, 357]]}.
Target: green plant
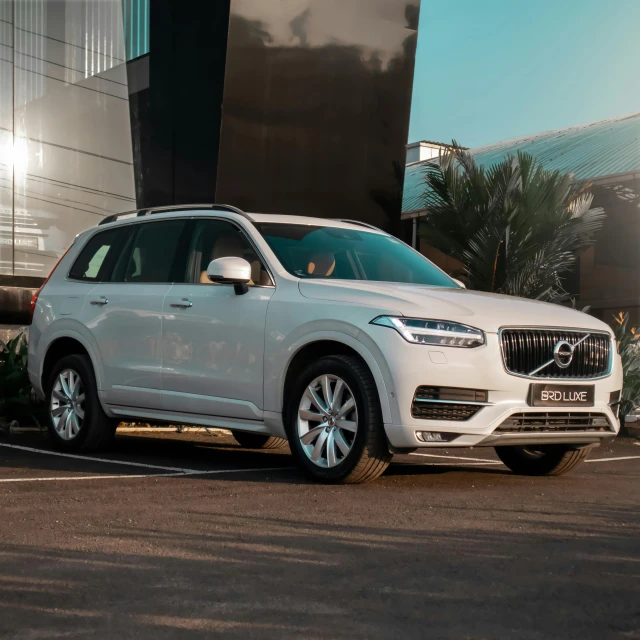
{"points": [[514, 227], [16, 395], [628, 342]]}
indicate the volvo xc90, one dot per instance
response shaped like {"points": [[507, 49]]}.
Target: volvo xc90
{"points": [[329, 335]]}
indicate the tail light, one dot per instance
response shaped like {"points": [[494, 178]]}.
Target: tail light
{"points": [[34, 298]]}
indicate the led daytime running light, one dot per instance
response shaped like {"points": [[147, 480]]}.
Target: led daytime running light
{"points": [[434, 332]]}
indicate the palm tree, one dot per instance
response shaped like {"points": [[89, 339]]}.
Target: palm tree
{"points": [[515, 227]]}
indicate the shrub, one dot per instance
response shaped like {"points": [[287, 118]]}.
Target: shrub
{"points": [[16, 395], [628, 342]]}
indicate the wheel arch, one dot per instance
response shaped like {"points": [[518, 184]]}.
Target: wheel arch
{"points": [[333, 344], [65, 343]]}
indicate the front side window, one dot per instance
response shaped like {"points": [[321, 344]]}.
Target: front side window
{"points": [[97, 257], [152, 254], [309, 251], [213, 239]]}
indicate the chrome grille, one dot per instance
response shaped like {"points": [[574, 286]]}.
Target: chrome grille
{"points": [[525, 351]]}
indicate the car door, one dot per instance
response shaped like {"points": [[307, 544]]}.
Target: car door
{"points": [[213, 339], [124, 314]]}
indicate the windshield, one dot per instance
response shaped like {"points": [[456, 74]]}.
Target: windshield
{"points": [[309, 251]]}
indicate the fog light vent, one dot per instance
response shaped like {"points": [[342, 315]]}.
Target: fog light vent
{"points": [[430, 436], [614, 402]]}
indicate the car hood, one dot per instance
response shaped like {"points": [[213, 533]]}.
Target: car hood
{"points": [[487, 311]]}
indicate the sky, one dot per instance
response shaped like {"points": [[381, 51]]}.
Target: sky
{"points": [[491, 70]]}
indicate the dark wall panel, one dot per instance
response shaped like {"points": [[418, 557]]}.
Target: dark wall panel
{"points": [[316, 107], [177, 147]]}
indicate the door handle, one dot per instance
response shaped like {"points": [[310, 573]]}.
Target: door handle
{"points": [[100, 301], [183, 304]]}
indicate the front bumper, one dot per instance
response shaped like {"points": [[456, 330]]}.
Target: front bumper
{"points": [[403, 437], [412, 366]]}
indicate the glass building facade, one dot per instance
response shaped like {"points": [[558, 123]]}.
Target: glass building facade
{"points": [[65, 131], [290, 106]]}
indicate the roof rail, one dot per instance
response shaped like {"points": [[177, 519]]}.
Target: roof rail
{"points": [[359, 223], [175, 207]]}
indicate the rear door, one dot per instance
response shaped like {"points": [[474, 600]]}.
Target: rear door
{"points": [[213, 339], [124, 314]]}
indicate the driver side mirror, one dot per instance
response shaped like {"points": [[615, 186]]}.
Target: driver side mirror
{"points": [[235, 271]]}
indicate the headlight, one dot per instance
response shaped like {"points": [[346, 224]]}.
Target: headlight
{"points": [[436, 332]]}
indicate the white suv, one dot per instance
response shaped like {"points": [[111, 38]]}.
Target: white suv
{"points": [[331, 335]]}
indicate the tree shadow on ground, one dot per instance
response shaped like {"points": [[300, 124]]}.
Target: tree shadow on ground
{"points": [[240, 576]]}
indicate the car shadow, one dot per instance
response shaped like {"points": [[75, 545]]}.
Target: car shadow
{"points": [[183, 451]]}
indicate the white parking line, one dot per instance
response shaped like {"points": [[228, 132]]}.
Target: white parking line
{"points": [[174, 471], [433, 455], [91, 459], [54, 479], [150, 475], [613, 459], [454, 464]]}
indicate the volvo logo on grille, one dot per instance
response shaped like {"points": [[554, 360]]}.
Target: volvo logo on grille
{"points": [[563, 354]]}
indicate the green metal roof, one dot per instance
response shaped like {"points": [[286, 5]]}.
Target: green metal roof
{"points": [[588, 151]]}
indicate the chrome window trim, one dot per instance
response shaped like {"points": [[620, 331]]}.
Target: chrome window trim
{"points": [[556, 378]]}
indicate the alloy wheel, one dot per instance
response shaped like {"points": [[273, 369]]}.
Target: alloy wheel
{"points": [[67, 404], [327, 421]]}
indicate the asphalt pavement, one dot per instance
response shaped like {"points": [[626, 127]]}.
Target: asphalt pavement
{"points": [[190, 536]]}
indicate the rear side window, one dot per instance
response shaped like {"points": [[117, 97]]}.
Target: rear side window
{"points": [[96, 259], [153, 253]]}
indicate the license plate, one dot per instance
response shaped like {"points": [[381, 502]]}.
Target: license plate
{"points": [[562, 395]]}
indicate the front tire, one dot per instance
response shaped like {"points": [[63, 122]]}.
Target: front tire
{"points": [[76, 419], [543, 460], [334, 422], [258, 441]]}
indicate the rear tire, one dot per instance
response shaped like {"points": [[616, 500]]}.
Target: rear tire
{"points": [[76, 420], [543, 460], [341, 441], [258, 441]]}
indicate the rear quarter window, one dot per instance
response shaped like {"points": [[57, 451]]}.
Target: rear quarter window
{"points": [[96, 259]]}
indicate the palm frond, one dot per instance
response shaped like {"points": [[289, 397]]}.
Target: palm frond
{"points": [[516, 227]]}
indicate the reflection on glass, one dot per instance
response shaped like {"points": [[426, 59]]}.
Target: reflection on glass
{"points": [[6, 139], [65, 131], [303, 77]]}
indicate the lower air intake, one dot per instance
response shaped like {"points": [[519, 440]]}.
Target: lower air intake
{"points": [[447, 403], [544, 422], [443, 412]]}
